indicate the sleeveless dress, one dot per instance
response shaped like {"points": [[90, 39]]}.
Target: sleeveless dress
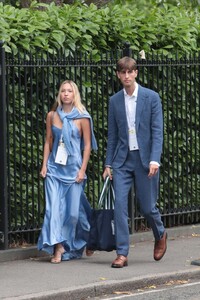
{"points": [[67, 211]]}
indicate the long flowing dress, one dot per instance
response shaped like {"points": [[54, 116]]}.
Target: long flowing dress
{"points": [[67, 208]]}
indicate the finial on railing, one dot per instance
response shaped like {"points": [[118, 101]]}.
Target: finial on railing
{"points": [[142, 54], [127, 50]]}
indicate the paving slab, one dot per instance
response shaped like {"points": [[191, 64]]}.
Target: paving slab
{"points": [[36, 278]]}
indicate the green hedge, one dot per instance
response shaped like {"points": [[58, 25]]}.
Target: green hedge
{"points": [[146, 25]]}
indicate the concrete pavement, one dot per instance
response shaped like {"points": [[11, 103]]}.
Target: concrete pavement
{"points": [[26, 274]]}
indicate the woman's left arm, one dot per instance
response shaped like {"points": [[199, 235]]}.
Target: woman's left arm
{"points": [[86, 132]]}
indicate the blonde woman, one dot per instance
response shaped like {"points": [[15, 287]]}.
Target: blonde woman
{"points": [[69, 133]]}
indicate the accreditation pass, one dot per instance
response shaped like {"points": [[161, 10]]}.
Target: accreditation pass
{"points": [[133, 145], [61, 155]]}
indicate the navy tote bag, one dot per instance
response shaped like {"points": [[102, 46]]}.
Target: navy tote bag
{"points": [[102, 233]]}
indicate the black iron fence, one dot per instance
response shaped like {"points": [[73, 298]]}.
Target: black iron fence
{"points": [[28, 87]]}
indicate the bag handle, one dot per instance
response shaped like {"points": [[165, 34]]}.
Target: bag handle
{"points": [[107, 196]]}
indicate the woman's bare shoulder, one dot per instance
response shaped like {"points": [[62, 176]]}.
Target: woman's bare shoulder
{"points": [[50, 114]]}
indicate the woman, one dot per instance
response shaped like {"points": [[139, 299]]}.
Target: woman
{"points": [[69, 131]]}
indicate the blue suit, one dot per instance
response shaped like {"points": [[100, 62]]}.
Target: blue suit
{"points": [[128, 164]]}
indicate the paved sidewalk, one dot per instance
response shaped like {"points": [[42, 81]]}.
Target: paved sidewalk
{"points": [[33, 277]]}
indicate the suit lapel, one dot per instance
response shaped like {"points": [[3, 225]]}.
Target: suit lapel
{"points": [[121, 106], [141, 99], [122, 110]]}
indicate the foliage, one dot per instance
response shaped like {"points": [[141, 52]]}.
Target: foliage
{"points": [[146, 25]]}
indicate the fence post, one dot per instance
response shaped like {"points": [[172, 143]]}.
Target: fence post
{"points": [[127, 51], [3, 155]]}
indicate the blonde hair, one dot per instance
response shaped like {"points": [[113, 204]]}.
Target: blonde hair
{"points": [[77, 98]]}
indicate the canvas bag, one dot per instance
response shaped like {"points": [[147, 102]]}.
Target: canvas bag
{"points": [[102, 234]]}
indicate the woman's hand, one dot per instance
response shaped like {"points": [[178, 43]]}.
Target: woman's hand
{"points": [[80, 176], [43, 172]]}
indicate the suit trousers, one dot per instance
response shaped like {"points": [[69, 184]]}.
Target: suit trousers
{"points": [[146, 194]]}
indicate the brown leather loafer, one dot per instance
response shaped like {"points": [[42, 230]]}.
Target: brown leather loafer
{"points": [[160, 247], [120, 262]]}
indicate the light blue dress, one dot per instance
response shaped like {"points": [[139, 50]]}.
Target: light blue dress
{"points": [[67, 208]]}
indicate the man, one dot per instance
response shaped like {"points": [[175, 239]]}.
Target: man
{"points": [[135, 137]]}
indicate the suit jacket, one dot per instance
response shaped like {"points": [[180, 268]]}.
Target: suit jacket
{"points": [[149, 128]]}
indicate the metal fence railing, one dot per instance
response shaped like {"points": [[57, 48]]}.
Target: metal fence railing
{"points": [[28, 87]]}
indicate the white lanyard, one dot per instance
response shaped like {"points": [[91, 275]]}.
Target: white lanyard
{"points": [[131, 110]]}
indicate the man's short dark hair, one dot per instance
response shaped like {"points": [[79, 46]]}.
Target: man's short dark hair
{"points": [[126, 63]]}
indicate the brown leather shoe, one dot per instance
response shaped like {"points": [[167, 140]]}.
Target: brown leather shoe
{"points": [[120, 262], [160, 247]]}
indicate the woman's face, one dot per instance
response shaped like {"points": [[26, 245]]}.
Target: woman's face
{"points": [[67, 94]]}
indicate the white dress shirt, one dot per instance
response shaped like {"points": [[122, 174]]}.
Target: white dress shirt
{"points": [[130, 105]]}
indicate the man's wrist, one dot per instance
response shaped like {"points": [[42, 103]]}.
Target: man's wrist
{"points": [[154, 163]]}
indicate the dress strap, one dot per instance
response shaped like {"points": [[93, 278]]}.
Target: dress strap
{"points": [[52, 117]]}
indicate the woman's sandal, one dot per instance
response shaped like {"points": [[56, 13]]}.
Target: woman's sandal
{"points": [[56, 259], [89, 252]]}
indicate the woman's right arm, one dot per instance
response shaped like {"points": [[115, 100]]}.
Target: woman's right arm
{"points": [[48, 144]]}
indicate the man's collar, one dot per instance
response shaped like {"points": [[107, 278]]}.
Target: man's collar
{"points": [[135, 93]]}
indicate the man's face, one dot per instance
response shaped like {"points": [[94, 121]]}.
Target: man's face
{"points": [[127, 77]]}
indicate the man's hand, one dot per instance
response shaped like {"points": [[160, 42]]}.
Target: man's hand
{"points": [[153, 170], [107, 172]]}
